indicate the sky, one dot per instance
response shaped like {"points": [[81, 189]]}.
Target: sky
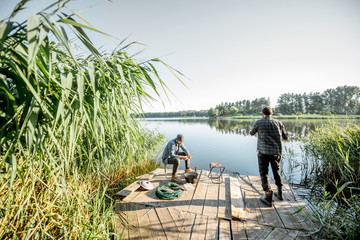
{"points": [[231, 50]]}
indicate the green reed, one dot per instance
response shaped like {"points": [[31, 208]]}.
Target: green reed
{"points": [[67, 133], [335, 151], [335, 160]]}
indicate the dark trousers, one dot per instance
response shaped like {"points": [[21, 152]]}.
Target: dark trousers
{"points": [[274, 161], [176, 163]]}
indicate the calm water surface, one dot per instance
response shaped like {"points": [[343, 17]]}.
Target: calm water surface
{"points": [[229, 143]]}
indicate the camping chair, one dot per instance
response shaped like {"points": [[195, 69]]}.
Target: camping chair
{"points": [[165, 168], [216, 177]]}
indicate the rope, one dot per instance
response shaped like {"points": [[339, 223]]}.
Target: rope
{"points": [[170, 195]]}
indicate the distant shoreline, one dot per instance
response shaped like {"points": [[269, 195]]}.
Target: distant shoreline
{"points": [[300, 116], [276, 116]]}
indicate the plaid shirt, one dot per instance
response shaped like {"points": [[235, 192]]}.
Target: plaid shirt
{"points": [[270, 133]]}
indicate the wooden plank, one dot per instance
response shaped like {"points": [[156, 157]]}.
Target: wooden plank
{"points": [[197, 203], [238, 230], [170, 228], [129, 219], [199, 228], [212, 229], [303, 236], [121, 221], [311, 222], [279, 233], [270, 214], [183, 202], [177, 215], [237, 201], [156, 226], [149, 197], [135, 185], [211, 200], [134, 232], [252, 204], [186, 228], [224, 209], [285, 210], [253, 230], [301, 220], [144, 222], [224, 230], [227, 197], [265, 232]]}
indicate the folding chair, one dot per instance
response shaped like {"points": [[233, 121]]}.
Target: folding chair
{"points": [[165, 165], [216, 176]]}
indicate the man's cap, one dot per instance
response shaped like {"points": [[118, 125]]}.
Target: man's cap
{"points": [[267, 110], [146, 185], [180, 137]]}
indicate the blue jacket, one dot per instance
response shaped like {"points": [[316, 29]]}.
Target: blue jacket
{"points": [[172, 150]]}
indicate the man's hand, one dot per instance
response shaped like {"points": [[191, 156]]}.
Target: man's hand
{"points": [[183, 157]]}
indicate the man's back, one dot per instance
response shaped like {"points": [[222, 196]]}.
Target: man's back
{"points": [[270, 132]]}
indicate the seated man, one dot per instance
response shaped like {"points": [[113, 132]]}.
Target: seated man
{"points": [[172, 155]]}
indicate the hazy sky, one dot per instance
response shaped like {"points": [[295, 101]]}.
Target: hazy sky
{"points": [[232, 50]]}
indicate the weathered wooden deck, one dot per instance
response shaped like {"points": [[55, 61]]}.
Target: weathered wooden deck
{"points": [[211, 211]]}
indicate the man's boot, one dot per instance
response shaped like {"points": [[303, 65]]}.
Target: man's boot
{"points": [[176, 179], [279, 193], [267, 200]]}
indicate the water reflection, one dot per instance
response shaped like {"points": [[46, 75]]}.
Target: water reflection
{"points": [[229, 142], [297, 129]]}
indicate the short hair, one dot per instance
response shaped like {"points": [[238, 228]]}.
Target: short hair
{"points": [[267, 111]]}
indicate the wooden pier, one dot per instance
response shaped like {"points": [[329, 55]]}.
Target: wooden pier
{"points": [[230, 210]]}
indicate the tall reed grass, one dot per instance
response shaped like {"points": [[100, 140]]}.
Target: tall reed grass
{"points": [[334, 151], [68, 139]]}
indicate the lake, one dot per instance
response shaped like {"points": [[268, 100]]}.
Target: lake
{"points": [[229, 143]]}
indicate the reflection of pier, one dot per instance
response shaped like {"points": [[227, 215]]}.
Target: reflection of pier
{"points": [[211, 211]]}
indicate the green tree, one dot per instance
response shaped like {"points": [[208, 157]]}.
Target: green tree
{"points": [[233, 110], [316, 104], [258, 104], [285, 105]]}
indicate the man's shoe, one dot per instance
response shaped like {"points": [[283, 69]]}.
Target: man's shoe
{"points": [[188, 170], [279, 193], [267, 200], [176, 179]]}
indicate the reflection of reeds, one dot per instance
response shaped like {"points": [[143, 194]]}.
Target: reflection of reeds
{"points": [[335, 157]]}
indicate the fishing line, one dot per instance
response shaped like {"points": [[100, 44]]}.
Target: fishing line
{"points": [[249, 116]]}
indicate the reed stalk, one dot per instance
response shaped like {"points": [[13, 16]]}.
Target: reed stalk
{"points": [[68, 139], [335, 160]]}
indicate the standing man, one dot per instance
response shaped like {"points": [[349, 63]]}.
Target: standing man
{"points": [[172, 155], [270, 133]]}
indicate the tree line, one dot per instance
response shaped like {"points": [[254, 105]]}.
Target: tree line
{"points": [[341, 100], [243, 106], [188, 113]]}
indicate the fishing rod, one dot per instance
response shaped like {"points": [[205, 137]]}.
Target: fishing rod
{"points": [[248, 116]]}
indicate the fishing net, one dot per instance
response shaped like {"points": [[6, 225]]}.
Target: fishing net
{"points": [[166, 192]]}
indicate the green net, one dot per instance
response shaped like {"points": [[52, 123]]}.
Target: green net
{"points": [[168, 195]]}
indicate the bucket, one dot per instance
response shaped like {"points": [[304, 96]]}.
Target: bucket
{"points": [[191, 177]]}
